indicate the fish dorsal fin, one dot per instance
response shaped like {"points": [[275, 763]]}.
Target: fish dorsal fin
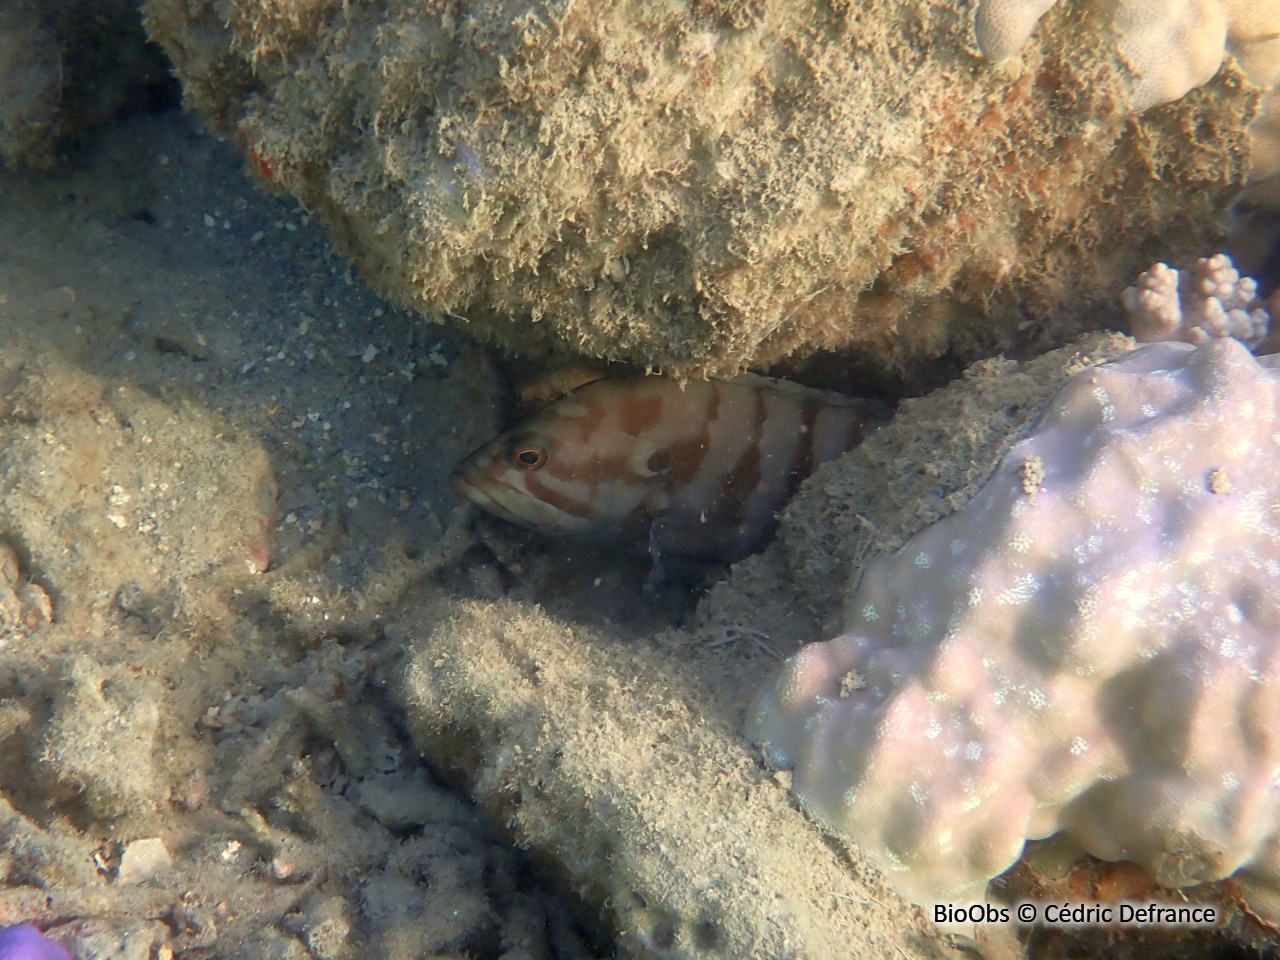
{"points": [[758, 381]]}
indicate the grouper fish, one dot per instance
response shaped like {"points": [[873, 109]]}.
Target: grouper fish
{"points": [[696, 469]]}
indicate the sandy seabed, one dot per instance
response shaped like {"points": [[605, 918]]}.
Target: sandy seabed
{"points": [[202, 758]]}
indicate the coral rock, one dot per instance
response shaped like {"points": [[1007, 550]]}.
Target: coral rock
{"points": [[1003, 26], [1090, 647], [1172, 47]]}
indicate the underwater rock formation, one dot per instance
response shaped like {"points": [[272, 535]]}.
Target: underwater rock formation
{"points": [[66, 67], [1088, 647], [620, 768], [701, 188]]}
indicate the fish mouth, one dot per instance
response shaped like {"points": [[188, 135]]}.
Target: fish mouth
{"points": [[488, 497]]}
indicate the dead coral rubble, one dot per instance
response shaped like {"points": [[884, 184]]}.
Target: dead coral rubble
{"points": [[613, 763], [706, 188]]}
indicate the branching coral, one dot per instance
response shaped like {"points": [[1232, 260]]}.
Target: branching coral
{"points": [[1090, 647], [1211, 301]]}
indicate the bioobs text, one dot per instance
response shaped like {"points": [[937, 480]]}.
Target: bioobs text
{"points": [[973, 913], [1069, 914]]}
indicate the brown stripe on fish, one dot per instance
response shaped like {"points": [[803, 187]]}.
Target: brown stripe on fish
{"points": [[687, 453], [590, 474], [605, 464], [550, 493], [639, 413], [732, 505], [586, 415], [784, 445], [803, 466]]}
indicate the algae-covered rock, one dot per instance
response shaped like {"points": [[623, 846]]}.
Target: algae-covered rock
{"points": [[706, 186], [101, 742]]}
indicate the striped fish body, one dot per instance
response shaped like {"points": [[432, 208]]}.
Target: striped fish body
{"points": [[698, 469]]}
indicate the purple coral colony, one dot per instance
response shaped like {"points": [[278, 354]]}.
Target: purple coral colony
{"points": [[22, 941], [1088, 648]]}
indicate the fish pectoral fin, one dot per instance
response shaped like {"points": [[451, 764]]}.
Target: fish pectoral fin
{"points": [[657, 575], [670, 532], [701, 535]]}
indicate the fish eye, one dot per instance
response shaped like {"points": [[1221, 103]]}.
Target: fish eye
{"points": [[530, 458]]}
